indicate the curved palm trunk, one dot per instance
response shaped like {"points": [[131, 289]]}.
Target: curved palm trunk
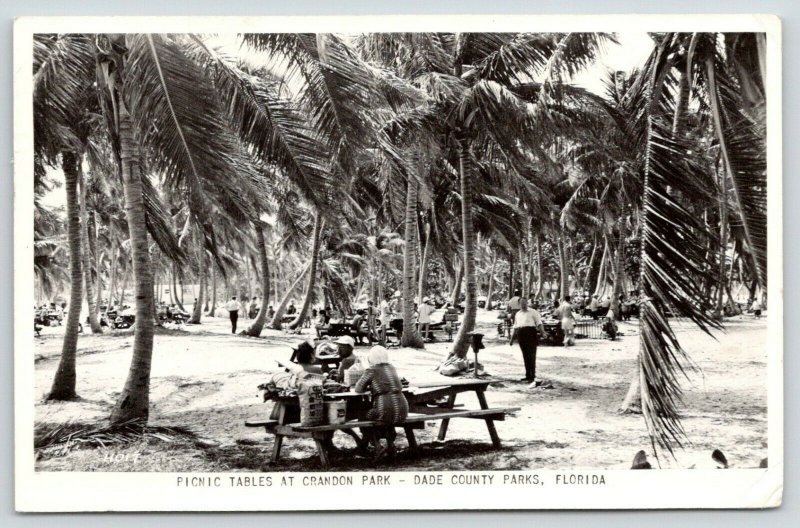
{"points": [[175, 287], [213, 307], [461, 345], [63, 387], [424, 264], [590, 266], [456, 293], [197, 309], [255, 328], [94, 320], [312, 275], [410, 336], [619, 274], [112, 279], [539, 270], [134, 402], [490, 290], [281, 310], [522, 272], [563, 270], [601, 274]]}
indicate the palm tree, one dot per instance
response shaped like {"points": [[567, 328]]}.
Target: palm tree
{"points": [[727, 75], [257, 325]]}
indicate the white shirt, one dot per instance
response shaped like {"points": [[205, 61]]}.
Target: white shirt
{"points": [[232, 306], [513, 303], [424, 313], [386, 312], [529, 317]]}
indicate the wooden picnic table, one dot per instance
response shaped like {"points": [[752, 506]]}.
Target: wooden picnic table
{"points": [[424, 405]]}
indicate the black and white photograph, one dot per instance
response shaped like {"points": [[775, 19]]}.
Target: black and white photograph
{"points": [[398, 260]]}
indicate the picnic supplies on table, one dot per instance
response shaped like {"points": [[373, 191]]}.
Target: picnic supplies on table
{"points": [[309, 393], [336, 411], [354, 373]]}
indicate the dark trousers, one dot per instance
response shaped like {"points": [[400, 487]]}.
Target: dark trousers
{"points": [[528, 341], [234, 318]]}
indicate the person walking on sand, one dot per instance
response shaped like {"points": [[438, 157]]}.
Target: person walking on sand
{"points": [[233, 310], [527, 328], [564, 313]]}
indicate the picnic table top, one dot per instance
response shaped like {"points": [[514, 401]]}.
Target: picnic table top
{"points": [[466, 384]]}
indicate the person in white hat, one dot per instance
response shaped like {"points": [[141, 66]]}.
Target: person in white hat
{"points": [[425, 310], [345, 344]]}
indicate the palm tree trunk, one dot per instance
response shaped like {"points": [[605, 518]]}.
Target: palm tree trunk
{"points": [[539, 267], [563, 271], [633, 398], [619, 273], [257, 326], [490, 290], [134, 401], [276, 319], [461, 345], [410, 336], [64, 382], [94, 320], [124, 288], [590, 266], [424, 263], [723, 242], [197, 309], [175, 287], [456, 293], [213, 308], [522, 272], [112, 280], [601, 275], [312, 275]]}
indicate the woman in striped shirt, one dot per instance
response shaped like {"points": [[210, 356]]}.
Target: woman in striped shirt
{"points": [[389, 405]]}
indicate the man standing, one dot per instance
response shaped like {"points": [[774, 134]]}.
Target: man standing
{"points": [[233, 310], [371, 321], [514, 304], [527, 322]]}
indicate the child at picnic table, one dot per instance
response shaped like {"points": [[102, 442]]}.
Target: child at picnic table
{"points": [[389, 405], [345, 344]]}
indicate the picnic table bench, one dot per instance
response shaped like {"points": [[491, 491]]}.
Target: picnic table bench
{"points": [[424, 406]]}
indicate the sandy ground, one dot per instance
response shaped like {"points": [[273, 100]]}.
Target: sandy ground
{"points": [[205, 379]]}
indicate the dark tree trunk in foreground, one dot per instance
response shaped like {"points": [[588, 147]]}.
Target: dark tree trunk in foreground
{"points": [[64, 382], [134, 402], [410, 336], [461, 345], [257, 326], [563, 270], [539, 268], [312, 274]]}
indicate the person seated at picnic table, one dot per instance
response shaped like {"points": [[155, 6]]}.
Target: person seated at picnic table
{"points": [[292, 309], [389, 405], [594, 305], [359, 324], [304, 355], [345, 344], [323, 322], [252, 309]]}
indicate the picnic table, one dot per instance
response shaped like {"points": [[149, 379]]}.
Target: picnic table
{"points": [[424, 405]]}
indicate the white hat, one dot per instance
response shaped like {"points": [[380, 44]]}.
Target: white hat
{"points": [[425, 299], [346, 340]]}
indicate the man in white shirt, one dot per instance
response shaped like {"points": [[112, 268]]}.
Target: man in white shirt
{"points": [[233, 310], [425, 310], [527, 322]]}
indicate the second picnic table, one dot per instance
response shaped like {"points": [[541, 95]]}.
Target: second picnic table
{"points": [[424, 405]]}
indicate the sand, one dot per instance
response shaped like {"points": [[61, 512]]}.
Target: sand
{"points": [[204, 378]]}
